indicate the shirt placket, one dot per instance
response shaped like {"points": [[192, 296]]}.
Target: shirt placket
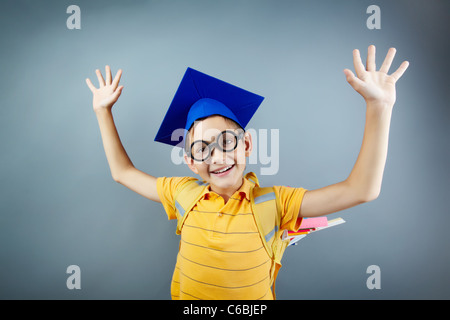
{"points": [[220, 221]]}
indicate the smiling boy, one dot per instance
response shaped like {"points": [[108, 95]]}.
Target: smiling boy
{"points": [[223, 170], [221, 252]]}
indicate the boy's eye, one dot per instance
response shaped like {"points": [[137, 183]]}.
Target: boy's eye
{"points": [[227, 141], [200, 148]]}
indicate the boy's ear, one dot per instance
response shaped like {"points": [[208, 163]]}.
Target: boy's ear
{"points": [[190, 163], [248, 144]]}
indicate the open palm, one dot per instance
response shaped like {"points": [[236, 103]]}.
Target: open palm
{"points": [[375, 86], [108, 92]]}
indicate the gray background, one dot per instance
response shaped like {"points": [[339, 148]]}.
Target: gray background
{"points": [[59, 205]]}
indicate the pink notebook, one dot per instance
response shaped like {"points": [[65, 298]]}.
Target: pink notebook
{"points": [[314, 222]]}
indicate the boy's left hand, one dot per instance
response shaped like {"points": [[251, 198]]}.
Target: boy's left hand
{"points": [[375, 86]]}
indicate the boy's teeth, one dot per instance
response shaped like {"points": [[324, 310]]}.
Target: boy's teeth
{"points": [[223, 170]]}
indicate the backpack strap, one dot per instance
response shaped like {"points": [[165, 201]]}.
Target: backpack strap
{"points": [[185, 199], [267, 213], [252, 177]]}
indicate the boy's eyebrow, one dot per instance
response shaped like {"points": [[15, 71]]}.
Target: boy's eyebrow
{"points": [[207, 141], [214, 136]]}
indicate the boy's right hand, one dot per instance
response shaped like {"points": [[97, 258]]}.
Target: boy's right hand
{"points": [[108, 92]]}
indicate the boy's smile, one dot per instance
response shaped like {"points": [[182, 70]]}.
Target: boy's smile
{"points": [[223, 170]]}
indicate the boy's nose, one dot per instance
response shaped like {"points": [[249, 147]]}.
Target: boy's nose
{"points": [[217, 156], [221, 157]]}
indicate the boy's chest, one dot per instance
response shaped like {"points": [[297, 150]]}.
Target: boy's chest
{"points": [[225, 237], [232, 224]]}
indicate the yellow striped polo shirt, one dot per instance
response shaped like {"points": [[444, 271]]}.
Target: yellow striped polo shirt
{"points": [[221, 253]]}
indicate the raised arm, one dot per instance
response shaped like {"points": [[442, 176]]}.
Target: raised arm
{"points": [[364, 182], [122, 169]]}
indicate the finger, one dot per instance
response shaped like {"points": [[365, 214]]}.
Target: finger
{"points": [[108, 74], [117, 93], [370, 63], [352, 79], [399, 72], [90, 85], [100, 78], [388, 60], [357, 63], [116, 80]]}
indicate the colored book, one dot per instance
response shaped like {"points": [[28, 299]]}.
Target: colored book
{"points": [[294, 236], [308, 223]]}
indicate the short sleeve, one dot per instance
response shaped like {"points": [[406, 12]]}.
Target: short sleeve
{"points": [[166, 188], [290, 202]]}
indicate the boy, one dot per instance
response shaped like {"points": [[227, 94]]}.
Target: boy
{"points": [[221, 253]]}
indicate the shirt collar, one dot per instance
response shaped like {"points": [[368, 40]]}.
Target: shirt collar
{"points": [[246, 187]]}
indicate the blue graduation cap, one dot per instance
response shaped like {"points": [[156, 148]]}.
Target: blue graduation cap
{"points": [[200, 95]]}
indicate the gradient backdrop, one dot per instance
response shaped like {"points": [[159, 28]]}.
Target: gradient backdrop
{"points": [[59, 205]]}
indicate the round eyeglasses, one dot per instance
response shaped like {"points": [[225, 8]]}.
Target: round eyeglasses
{"points": [[226, 141]]}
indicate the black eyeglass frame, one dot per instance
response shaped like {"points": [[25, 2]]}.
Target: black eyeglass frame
{"points": [[237, 137]]}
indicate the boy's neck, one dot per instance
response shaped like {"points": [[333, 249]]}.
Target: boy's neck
{"points": [[226, 193]]}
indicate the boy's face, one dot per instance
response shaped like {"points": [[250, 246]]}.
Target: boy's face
{"points": [[233, 162]]}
